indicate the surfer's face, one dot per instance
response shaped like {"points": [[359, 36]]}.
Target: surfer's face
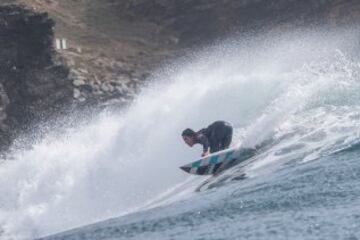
{"points": [[188, 140]]}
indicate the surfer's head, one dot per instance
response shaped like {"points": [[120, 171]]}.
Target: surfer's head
{"points": [[189, 136]]}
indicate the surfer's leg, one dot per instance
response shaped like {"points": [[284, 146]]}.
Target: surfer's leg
{"points": [[220, 138], [215, 148], [226, 141], [216, 138]]}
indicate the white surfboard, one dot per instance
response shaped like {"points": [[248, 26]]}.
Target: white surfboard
{"points": [[219, 161]]}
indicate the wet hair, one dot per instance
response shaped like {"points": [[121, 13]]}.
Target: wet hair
{"points": [[188, 132]]}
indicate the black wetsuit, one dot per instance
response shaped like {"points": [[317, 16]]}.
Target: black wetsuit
{"points": [[216, 136]]}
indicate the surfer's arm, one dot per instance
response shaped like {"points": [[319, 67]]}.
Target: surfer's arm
{"points": [[204, 141]]}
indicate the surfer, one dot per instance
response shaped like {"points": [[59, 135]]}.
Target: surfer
{"points": [[214, 138]]}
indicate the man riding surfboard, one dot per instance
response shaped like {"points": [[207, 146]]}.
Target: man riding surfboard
{"points": [[214, 138]]}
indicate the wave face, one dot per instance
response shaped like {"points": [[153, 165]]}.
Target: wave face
{"points": [[295, 95]]}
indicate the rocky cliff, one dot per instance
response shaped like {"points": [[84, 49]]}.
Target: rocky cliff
{"points": [[32, 84], [115, 45]]}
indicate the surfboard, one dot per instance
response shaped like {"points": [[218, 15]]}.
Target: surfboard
{"points": [[219, 161]]}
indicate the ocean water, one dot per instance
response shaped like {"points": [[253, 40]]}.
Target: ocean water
{"points": [[295, 96]]}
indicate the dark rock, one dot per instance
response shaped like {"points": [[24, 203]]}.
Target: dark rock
{"points": [[196, 22], [33, 86]]}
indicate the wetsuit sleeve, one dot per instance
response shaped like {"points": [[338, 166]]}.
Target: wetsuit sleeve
{"points": [[204, 141]]}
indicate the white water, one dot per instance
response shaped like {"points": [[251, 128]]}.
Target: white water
{"points": [[121, 161]]}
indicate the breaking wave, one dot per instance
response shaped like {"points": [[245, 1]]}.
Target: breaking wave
{"points": [[295, 95]]}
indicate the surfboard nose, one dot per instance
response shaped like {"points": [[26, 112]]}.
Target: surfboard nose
{"points": [[186, 169]]}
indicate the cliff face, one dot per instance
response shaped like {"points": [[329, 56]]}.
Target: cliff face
{"points": [[115, 45], [32, 86], [196, 22]]}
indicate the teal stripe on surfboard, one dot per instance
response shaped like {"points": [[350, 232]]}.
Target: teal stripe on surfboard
{"points": [[213, 159], [196, 164]]}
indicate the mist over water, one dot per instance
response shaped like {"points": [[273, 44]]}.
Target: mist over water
{"points": [[299, 89]]}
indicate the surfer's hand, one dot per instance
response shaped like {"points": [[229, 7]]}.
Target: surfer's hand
{"points": [[204, 154]]}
